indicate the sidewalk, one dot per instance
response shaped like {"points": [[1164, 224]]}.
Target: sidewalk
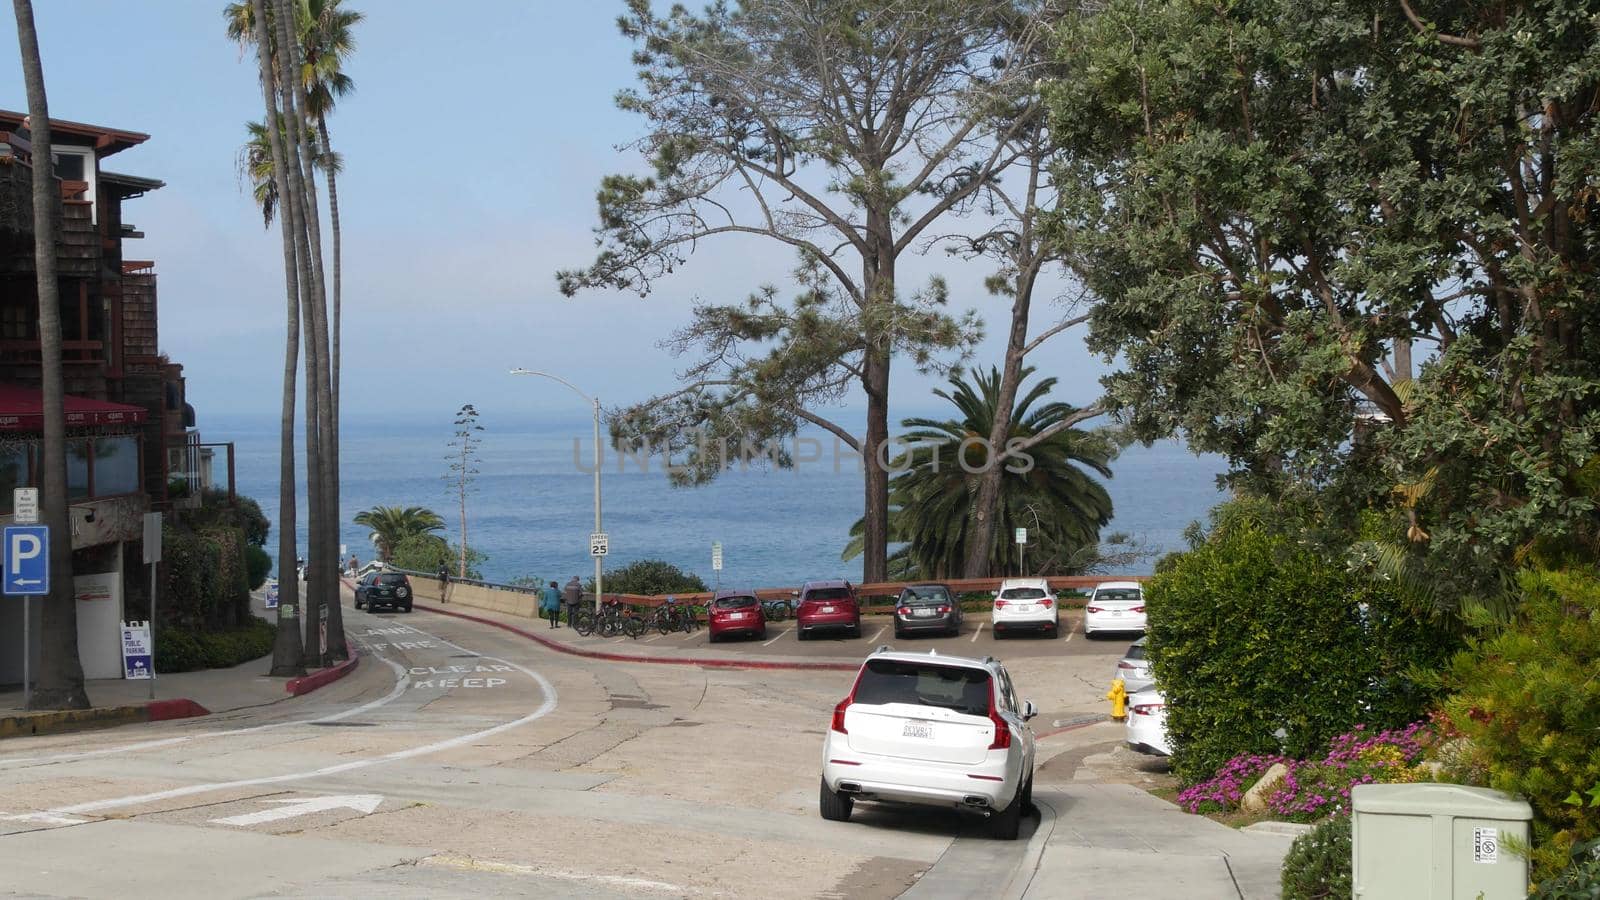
{"points": [[117, 701]]}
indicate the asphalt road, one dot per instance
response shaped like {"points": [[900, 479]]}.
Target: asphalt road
{"points": [[460, 760]]}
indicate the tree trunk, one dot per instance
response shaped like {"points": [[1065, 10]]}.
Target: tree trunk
{"points": [[981, 515], [59, 679], [336, 620], [288, 650], [878, 284], [299, 207]]}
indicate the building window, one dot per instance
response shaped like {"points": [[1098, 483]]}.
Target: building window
{"points": [[16, 471], [116, 466], [77, 469]]}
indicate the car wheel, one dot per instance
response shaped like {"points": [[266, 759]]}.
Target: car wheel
{"points": [[800, 634], [712, 637], [1027, 797], [358, 603], [899, 635], [1004, 825], [407, 607], [835, 807]]}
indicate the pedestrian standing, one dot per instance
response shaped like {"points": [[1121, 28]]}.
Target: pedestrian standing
{"points": [[550, 604], [444, 583], [572, 597], [354, 567]]}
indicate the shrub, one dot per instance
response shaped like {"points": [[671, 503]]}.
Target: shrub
{"points": [[1317, 866], [185, 650], [650, 576], [1223, 791], [1580, 880], [1313, 789], [1527, 698], [425, 552], [258, 565], [1262, 644]]}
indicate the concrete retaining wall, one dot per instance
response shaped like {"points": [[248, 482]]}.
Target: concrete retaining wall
{"points": [[513, 603]]}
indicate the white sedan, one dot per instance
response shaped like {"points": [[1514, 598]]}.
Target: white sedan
{"points": [[1147, 723], [933, 730], [1114, 606], [1025, 604]]}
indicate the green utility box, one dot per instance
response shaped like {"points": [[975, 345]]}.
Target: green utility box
{"points": [[1437, 842]]}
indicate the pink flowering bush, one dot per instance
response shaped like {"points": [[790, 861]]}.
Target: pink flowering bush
{"points": [[1223, 791], [1316, 789]]}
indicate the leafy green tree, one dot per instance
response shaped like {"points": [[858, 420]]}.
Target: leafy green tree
{"points": [[847, 131], [1045, 488], [392, 525], [427, 552], [1297, 213], [648, 576]]}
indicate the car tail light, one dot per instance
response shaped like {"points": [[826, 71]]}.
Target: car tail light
{"points": [[1046, 602], [1126, 665], [1002, 731], [838, 716], [999, 604], [1094, 609], [1137, 609], [1148, 709], [944, 609], [904, 610]]}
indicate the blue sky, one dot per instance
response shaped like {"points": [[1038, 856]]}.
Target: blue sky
{"points": [[473, 145]]}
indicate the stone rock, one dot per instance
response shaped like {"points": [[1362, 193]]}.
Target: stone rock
{"points": [[1255, 799]]}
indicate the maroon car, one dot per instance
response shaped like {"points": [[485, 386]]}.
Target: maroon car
{"points": [[827, 606], [736, 612]]}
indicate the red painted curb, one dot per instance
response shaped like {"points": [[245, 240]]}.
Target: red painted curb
{"points": [[162, 710], [1066, 728], [305, 684], [704, 662]]}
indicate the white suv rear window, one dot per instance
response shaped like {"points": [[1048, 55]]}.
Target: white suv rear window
{"points": [[962, 689], [1021, 594]]}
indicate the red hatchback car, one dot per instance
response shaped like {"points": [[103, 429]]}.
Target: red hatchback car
{"points": [[735, 612], [827, 606]]}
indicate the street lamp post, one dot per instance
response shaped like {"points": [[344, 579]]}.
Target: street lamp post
{"points": [[594, 403]]}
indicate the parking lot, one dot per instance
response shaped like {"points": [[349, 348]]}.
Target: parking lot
{"points": [[976, 639]]}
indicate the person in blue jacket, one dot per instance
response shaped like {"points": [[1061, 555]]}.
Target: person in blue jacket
{"points": [[550, 604]]}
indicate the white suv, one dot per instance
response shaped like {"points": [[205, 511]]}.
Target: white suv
{"points": [[933, 730], [1026, 604]]}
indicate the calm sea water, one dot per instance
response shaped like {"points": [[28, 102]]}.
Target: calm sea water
{"points": [[531, 508]]}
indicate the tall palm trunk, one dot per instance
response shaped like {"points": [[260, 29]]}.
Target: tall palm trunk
{"points": [[336, 623], [288, 651], [60, 675], [322, 470]]}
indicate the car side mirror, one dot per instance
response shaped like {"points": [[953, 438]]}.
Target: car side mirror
{"points": [[1028, 710]]}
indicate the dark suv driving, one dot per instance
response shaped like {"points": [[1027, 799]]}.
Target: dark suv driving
{"points": [[390, 589]]}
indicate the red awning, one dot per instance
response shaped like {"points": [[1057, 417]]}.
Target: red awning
{"points": [[22, 409]]}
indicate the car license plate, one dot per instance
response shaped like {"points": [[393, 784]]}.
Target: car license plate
{"points": [[924, 613], [1116, 612], [1026, 607], [827, 609], [922, 730]]}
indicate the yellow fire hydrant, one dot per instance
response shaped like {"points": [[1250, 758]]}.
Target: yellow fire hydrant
{"points": [[1118, 695]]}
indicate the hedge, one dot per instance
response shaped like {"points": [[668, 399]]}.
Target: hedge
{"points": [[1262, 643], [185, 650]]}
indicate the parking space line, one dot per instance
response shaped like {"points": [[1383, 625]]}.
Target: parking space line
{"points": [[978, 632], [653, 637], [780, 636], [881, 630]]}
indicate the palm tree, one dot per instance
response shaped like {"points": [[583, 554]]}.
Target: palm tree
{"points": [[255, 164], [60, 676], [1049, 492], [288, 650], [390, 525]]}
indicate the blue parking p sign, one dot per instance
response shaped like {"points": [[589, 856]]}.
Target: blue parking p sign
{"points": [[27, 560]]}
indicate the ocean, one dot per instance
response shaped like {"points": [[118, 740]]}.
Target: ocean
{"points": [[531, 505]]}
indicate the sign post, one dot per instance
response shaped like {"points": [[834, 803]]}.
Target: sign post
{"points": [[152, 555], [27, 575], [1022, 550], [716, 561]]}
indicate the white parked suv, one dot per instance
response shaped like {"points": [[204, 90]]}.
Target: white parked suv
{"points": [[1147, 723], [933, 730], [1026, 604], [1114, 606]]}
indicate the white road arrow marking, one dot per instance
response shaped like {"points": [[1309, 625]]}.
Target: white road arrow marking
{"points": [[42, 818], [362, 803]]}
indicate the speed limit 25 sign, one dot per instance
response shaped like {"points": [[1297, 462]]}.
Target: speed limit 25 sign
{"points": [[599, 543]]}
